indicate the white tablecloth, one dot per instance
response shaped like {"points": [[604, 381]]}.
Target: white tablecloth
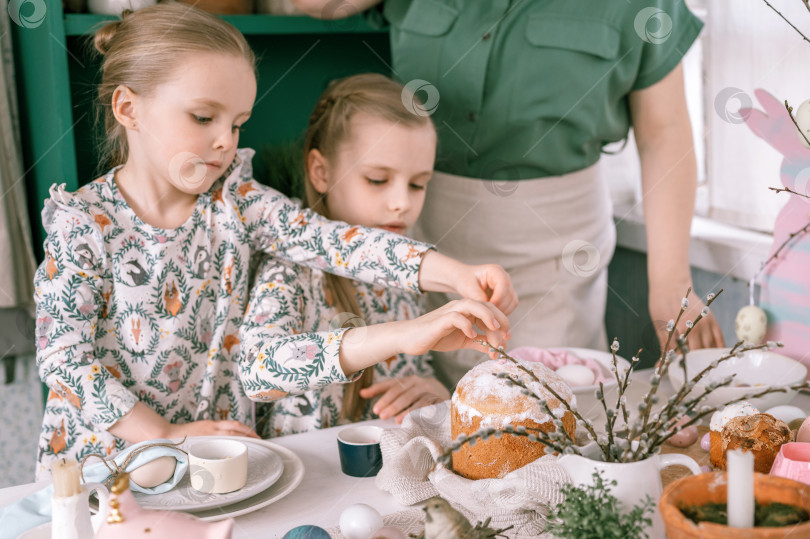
{"points": [[325, 491], [320, 498]]}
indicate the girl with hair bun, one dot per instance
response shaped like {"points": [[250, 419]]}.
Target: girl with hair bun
{"points": [[143, 288]]}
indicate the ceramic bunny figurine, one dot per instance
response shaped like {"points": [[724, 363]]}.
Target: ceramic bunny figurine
{"points": [[127, 519], [785, 285]]}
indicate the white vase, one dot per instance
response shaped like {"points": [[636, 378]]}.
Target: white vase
{"points": [[116, 7], [71, 514], [634, 480]]}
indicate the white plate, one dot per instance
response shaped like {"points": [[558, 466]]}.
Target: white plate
{"points": [[291, 477], [264, 469]]}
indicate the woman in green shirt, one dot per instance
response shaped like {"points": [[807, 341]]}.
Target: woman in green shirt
{"points": [[525, 95]]}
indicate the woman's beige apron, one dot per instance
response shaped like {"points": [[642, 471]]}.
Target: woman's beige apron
{"points": [[555, 236]]}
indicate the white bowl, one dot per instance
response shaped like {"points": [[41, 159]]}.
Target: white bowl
{"points": [[757, 369], [604, 359]]}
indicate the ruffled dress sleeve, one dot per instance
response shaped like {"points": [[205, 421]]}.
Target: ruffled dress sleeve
{"points": [[67, 294]]}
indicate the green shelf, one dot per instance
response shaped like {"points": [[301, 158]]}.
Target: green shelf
{"points": [[80, 24], [57, 74]]}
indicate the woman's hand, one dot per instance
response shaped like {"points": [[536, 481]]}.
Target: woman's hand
{"points": [[665, 302], [485, 282], [453, 326], [211, 428], [401, 395]]}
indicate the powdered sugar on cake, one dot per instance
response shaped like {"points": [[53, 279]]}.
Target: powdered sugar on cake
{"points": [[481, 384]]}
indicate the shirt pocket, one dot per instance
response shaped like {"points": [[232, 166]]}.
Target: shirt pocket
{"points": [[564, 62], [591, 37], [419, 35]]}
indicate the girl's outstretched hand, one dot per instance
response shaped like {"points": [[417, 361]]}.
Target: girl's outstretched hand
{"points": [[211, 428], [485, 282], [488, 282], [453, 326], [401, 395]]}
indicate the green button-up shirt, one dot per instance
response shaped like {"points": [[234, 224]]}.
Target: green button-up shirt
{"points": [[533, 88]]}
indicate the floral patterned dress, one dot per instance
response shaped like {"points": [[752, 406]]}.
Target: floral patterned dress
{"points": [[127, 311], [290, 356]]}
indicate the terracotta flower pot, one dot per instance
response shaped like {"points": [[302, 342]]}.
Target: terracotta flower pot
{"points": [[711, 488]]}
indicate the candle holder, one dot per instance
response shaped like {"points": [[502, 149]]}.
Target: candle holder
{"points": [[697, 490]]}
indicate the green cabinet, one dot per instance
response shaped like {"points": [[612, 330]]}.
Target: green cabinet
{"points": [[57, 73]]}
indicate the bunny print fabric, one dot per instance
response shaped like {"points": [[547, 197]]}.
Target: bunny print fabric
{"points": [[288, 355], [784, 285], [129, 312]]}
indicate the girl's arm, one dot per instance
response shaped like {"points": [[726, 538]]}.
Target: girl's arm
{"points": [[279, 352], [279, 357], [485, 282], [665, 146], [68, 286], [142, 423], [277, 226], [333, 9], [450, 327]]}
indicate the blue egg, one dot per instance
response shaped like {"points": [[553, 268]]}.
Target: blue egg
{"points": [[307, 532]]}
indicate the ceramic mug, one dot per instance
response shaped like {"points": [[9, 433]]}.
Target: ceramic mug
{"points": [[359, 449], [218, 466], [793, 462]]}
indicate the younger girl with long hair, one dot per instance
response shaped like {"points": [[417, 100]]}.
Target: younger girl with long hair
{"points": [[368, 159]]}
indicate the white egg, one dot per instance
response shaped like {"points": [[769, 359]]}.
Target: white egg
{"points": [[802, 116], [786, 413], [154, 473], [751, 324], [360, 521], [576, 375]]}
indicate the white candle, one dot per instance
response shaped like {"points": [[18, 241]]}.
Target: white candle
{"points": [[740, 503]]}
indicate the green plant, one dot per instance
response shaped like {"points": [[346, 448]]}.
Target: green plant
{"points": [[592, 512]]}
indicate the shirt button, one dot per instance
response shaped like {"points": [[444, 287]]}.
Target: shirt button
{"points": [[486, 36], [471, 116]]}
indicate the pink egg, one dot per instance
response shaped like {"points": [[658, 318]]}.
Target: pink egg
{"points": [[804, 431], [389, 532], [705, 469], [684, 438], [706, 442]]}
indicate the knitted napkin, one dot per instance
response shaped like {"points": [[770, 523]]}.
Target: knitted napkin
{"points": [[522, 498]]}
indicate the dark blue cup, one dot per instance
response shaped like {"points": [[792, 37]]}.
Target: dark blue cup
{"points": [[359, 449]]}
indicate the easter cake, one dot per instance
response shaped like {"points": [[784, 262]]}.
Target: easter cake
{"points": [[719, 419], [760, 434], [483, 400]]}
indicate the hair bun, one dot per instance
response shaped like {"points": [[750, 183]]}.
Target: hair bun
{"points": [[104, 36]]}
